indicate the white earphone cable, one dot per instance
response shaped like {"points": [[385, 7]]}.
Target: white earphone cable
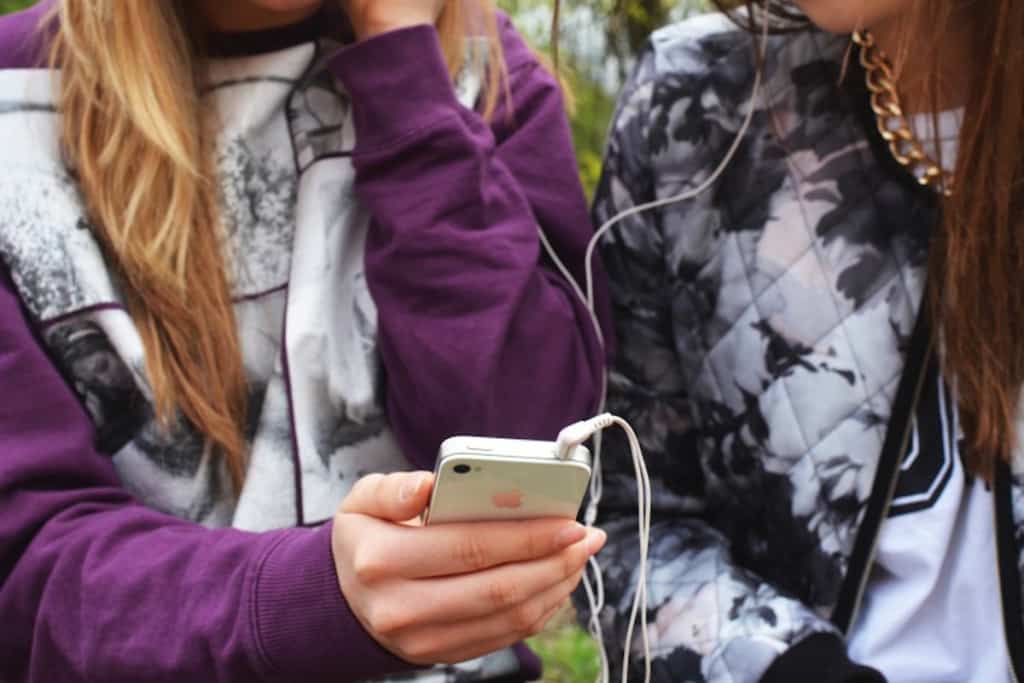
{"points": [[594, 588]]}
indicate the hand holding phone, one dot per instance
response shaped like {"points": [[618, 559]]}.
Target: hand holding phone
{"points": [[450, 592], [479, 479]]}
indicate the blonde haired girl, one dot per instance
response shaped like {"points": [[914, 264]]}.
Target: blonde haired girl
{"points": [[252, 251]]}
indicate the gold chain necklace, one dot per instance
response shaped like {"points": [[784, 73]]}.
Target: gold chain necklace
{"points": [[892, 122]]}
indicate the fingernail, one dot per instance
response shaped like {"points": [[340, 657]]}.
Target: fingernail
{"points": [[596, 540], [411, 488], [569, 535]]}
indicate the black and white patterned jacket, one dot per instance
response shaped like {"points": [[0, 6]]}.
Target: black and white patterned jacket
{"points": [[763, 331]]}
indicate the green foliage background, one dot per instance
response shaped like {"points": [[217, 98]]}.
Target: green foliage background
{"points": [[598, 40], [599, 37]]}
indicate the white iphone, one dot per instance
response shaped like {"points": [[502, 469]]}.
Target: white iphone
{"points": [[482, 479]]}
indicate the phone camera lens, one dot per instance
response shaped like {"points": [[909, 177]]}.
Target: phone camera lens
{"points": [[461, 469]]}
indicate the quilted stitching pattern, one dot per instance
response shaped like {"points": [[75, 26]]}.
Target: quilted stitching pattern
{"points": [[762, 329]]}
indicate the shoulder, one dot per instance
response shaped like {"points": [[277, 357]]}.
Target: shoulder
{"points": [[701, 49], [23, 38], [710, 50], [713, 46], [697, 43], [700, 72]]}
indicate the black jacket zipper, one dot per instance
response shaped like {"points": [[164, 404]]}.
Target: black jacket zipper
{"points": [[1009, 572], [897, 435]]}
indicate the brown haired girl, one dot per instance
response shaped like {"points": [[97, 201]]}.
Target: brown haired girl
{"points": [[822, 352], [252, 251]]}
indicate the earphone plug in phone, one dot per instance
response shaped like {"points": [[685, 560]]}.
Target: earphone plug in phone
{"points": [[568, 439]]}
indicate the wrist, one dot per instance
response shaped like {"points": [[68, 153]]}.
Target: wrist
{"points": [[303, 626], [373, 26]]}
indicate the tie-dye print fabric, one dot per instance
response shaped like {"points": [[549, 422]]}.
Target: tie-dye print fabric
{"points": [[762, 330]]}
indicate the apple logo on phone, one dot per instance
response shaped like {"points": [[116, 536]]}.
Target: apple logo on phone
{"points": [[508, 499]]}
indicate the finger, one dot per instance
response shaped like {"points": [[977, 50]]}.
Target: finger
{"points": [[472, 596], [458, 641], [465, 548], [394, 497], [443, 602], [479, 649]]}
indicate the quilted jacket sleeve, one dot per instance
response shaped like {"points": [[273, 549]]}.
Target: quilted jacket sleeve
{"points": [[710, 620]]}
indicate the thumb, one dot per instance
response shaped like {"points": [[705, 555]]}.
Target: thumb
{"points": [[393, 497]]}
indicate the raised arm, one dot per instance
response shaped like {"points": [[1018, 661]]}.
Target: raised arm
{"points": [[478, 334]]}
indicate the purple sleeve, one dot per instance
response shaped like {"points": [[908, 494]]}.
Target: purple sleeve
{"points": [[478, 335], [94, 586]]}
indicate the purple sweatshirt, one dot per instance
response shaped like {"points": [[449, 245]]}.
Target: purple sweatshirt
{"points": [[476, 334]]}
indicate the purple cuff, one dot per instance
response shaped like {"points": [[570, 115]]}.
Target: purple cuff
{"points": [[530, 666], [304, 626], [399, 84]]}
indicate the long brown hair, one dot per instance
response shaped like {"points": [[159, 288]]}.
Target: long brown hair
{"points": [[132, 130], [977, 252]]}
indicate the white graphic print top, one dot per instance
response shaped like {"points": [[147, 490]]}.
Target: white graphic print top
{"points": [[285, 135], [932, 609]]}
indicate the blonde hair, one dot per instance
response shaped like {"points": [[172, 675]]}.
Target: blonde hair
{"points": [[132, 131]]}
